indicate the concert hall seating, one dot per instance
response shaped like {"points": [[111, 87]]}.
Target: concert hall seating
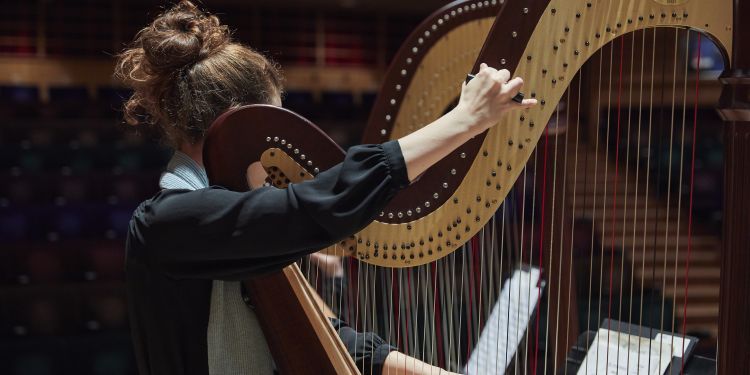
{"points": [[70, 177]]}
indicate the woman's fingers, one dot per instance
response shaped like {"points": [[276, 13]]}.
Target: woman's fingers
{"points": [[527, 103], [512, 88], [491, 79], [493, 91], [500, 77], [514, 85], [496, 81], [504, 75]]}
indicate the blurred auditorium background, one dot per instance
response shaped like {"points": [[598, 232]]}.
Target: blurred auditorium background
{"points": [[71, 173]]}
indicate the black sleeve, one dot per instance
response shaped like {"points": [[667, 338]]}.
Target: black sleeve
{"points": [[214, 233]]}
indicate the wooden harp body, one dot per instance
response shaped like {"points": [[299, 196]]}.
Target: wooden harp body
{"points": [[549, 43]]}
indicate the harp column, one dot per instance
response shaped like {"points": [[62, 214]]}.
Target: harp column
{"points": [[734, 308]]}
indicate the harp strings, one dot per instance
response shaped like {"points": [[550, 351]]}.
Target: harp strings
{"points": [[614, 187], [530, 241], [556, 305], [595, 186], [659, 173], [637, 177], [572, 227], [682, 161], [644, 229], [690, 209], [603, 201], [626, 198], [543, 215], [669, 193]]}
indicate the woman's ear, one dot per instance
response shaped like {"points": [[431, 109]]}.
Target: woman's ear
{"points": [[256, 175]]}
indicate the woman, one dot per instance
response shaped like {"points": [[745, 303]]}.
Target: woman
{"points": [[190, 244]]}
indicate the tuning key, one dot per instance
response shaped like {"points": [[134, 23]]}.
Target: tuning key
{"points": [[518, 98]]}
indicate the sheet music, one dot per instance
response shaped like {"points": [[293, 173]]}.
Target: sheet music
{"points": [[676, 342], [506, 325], [625, 354]]}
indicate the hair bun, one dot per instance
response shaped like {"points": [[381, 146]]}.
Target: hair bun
{"points": [[181, 36]]}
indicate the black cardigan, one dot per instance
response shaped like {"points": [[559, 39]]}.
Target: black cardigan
{"points": [[180, 240]]}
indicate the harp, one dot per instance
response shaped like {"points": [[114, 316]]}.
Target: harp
{"points": [[428, 271]]}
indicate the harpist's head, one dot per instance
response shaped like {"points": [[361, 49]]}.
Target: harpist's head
{"points": [[185, 70]]}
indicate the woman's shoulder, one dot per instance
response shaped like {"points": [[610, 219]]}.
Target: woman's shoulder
{"points": [[170, 208], [172, 204]]}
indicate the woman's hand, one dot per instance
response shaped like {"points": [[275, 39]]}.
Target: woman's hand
{"points": [[483, 102], [330, 265]]}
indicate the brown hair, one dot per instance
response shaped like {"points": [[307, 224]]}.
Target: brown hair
{"points": [[185, 70]]}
